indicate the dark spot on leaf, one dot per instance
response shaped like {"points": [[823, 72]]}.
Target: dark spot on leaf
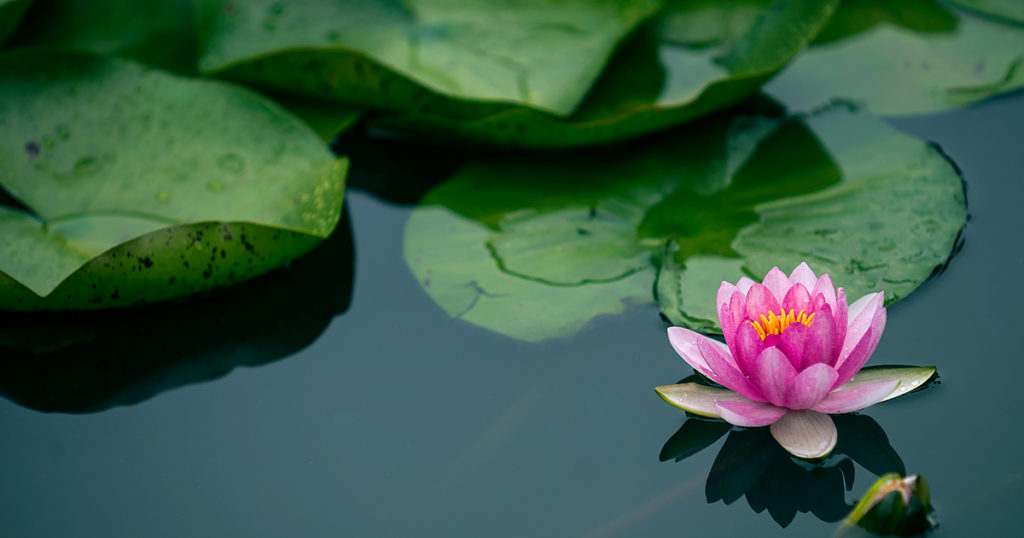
{"points": [[116, 294], [245, 243], [94, 300], [146, 261], [582, 231], [32, 149], [171, 281]]}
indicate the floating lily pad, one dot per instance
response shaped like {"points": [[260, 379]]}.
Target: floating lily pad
{"points": [[697, 57], [160, 33], [11, 12], [137, 186], [419, 54], [534, 247], [904, 58]]}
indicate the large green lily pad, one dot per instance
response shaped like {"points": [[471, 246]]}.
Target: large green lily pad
{"points": [[902, 58], [138, 186], [697, 57], [534, 248], [419, 54], [11, 12]]}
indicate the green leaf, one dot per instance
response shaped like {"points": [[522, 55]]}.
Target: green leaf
{"points": [[911, 378], [904, 58], [140, 186], [889, 224], [419, 54], [698, 57], [697, 399], [534, 247], [327, 118], [1008, 9], [11, 12], [156, 32]]}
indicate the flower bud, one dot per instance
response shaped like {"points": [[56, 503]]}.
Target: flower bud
{"points": [[894, 506]]}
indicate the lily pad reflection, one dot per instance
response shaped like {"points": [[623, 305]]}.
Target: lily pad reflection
{"points": [[85, 362], [534, 247], [752, 465]]}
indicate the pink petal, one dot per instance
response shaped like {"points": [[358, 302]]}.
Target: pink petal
{"points": [[697, 399], [856, 398], [797, 299], [722, 301], [862, 315], [772, 373], [684, 341], [806, 434], [760, 300], [777, 282], [810, 386], [744, 284], [717, 357], [819, 344], [860, 354], [825, 287], [735, 310], [792, 344], [840, 313], [803, 275], [746, 346], [750, 414]]}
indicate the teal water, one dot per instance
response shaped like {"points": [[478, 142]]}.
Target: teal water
{"points": [[392, 419]]}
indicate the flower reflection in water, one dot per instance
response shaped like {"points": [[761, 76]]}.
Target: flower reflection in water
{"points": [[751, 464]]}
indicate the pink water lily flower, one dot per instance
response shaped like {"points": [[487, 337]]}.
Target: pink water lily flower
{"points": [[792, 348]]}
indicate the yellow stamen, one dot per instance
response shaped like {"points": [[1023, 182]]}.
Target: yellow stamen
{"points": [[776, 323]]}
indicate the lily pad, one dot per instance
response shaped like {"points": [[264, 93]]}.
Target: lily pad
{"points": [[136, 185], [160, 33], [904, 58], [534, 247], [697, 57], [11, 12], [419, 54]]}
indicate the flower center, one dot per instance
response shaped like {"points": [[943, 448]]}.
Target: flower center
{"points": [[776, 323]]}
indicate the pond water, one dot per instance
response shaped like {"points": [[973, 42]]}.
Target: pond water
{"points": [[397, 420]]}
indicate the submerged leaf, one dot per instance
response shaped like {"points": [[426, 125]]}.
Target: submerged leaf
{"points": [[731, 196], [904, 58], [140, 186]]}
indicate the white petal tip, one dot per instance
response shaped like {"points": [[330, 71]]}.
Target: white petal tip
{"points": [[806, 434]]}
